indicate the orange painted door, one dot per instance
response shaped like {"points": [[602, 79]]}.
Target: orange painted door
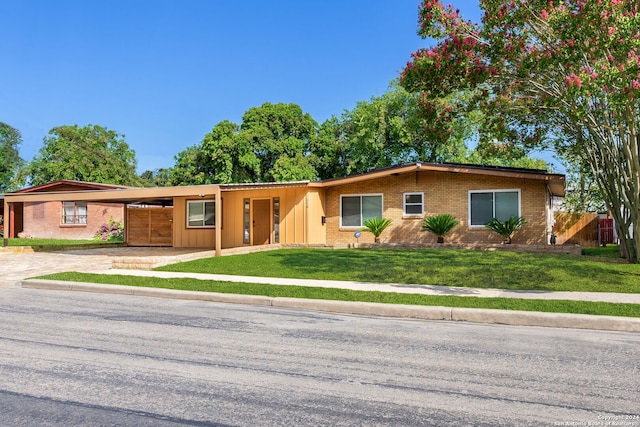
{"points": [[261, 222]]}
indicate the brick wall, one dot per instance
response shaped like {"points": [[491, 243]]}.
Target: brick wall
{"points": [[44, 220], [444, 192]]}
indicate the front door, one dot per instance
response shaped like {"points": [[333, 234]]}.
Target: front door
{"points": [[262, 222]]}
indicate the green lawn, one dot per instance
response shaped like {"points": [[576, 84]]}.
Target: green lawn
{"points": [[552, 306], [447, 267], [52, 242]]}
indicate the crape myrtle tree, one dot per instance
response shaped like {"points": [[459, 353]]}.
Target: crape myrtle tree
{"points": [[89, 153], [564, 73]]}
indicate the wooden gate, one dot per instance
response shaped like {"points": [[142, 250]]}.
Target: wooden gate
{"points": [[606, 231], [576, 228], [150, 226]]}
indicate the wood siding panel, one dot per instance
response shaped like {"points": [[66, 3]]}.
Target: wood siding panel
{"points": [[149, 226]]}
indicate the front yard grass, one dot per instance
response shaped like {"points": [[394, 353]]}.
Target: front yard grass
{"points": [[52, 242], [441, 267], [551, 306]]}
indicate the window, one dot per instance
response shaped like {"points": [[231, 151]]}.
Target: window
{"points": [[74, 213], [201, 213], [276, 219], [413, 203], [247, 218], [355, 210], [486, 205]]}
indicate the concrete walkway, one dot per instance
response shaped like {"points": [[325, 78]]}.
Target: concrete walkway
{"points": [[396, 287]]}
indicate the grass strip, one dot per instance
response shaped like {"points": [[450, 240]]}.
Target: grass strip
{"points": [[188, 284], [53, 242], [438, 267]]}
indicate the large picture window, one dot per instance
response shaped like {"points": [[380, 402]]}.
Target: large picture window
{"points": [[356, 209], [486, 205], [74, 213], [413, 204], [201, 213]]}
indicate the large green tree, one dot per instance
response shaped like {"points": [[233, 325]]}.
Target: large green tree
{"points": [[90, 153], [564, 73], [10, 161], [273, 143]]}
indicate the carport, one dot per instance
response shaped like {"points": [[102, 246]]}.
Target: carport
{"points": [[151, 199]]}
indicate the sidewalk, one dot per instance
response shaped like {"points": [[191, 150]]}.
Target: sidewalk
{"points": [[395, 287]]}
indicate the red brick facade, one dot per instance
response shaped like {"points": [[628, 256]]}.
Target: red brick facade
{"points": [[444, 192], [44, 220]]}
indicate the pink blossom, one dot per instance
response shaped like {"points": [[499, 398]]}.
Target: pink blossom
{"points": [[545, 14]]}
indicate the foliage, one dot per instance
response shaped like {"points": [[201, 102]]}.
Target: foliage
{"points": [[506, 228], [90, 153], [583, 194], [440, 225], [560, 73], [376, 226], [112, 231], [10, 161], [155, 178], [273, 143]]}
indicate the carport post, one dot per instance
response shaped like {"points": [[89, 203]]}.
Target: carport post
{"points": [[218, 208]]}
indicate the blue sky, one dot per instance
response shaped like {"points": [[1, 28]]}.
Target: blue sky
{"points": [[164, 73]]}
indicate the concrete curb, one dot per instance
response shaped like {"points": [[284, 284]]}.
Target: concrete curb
{"points": [[473, 315]]}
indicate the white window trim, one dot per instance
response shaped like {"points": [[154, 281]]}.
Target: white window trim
{"points": [[512, 190], [357, 227], [404, 204], [203, 211]]}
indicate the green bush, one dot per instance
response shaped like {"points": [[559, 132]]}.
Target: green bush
{"points": [[376, 226], [440, 225], [507, 228]]}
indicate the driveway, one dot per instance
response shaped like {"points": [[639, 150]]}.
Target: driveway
{"points": [[16, 266]]}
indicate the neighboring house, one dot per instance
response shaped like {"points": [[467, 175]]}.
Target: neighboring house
{"points": [[330, 212], [69, 219]]}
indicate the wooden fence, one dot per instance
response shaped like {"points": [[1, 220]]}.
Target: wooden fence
{"points": [[576, 228]]}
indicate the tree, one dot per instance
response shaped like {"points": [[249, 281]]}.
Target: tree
{"points": [[273, 143], [279, 136], [582, 192], [560, 73], [156, 178], [90, 153], [393, 129], [10, 161]]}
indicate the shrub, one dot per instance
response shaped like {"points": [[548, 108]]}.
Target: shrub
{"points": [[376, 226], [113, 231], [440, 225], [507, 228]]}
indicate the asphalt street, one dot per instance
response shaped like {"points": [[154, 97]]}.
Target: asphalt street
{"points": [[74, 358]]}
